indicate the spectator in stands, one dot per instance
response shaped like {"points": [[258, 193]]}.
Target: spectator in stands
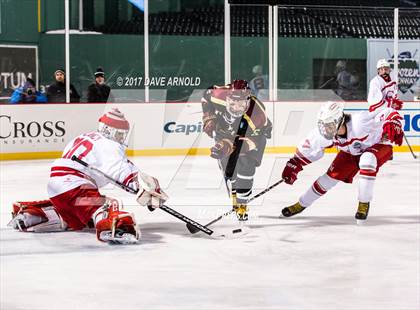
{"points": [[56, 92], [347, 83], [259, 84], [27, 93], [99, 91]]}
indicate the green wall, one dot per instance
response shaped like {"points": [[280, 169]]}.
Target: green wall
{"points": [[19, 21], [120, 55], [296, 57], [187, 56]]}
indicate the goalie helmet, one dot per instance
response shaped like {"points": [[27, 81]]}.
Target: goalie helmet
{"points": [[330, 118], [237, 99], [114, 126]]}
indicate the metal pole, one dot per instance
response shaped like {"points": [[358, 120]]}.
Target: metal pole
{"points": [[80, 15], [396, 45], [146, 50], [270, 54], [227, 43], [275, 50], [67, 47]]}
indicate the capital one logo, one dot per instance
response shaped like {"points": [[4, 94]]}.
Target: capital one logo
{"points": [[186, 129], [412, 122], [11, 129]]}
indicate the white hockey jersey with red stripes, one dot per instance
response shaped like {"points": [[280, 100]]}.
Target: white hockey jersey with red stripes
{"points": [[363, 130], [98, 151], [381, 93]]}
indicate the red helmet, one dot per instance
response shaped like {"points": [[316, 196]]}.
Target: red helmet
{"points": [[114, 126], [237, 99]]}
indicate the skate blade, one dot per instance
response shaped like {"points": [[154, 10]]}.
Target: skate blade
{"points": [[361, 222], [122, 239]]}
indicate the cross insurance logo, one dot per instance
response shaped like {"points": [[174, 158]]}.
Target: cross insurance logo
{"points": [[14, 131]]}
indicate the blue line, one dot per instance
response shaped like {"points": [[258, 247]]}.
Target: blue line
{"points": [[410, 136]]}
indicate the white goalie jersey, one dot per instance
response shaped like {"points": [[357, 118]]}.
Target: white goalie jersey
{"points": [[364, 129], [381, 93], [104, 154]]}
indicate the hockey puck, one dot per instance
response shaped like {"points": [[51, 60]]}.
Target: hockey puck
{"points": [[238, 230]]}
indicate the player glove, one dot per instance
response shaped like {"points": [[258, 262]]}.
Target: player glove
{"points": [[150, 194], [392, 130], [396, 104], [291, 170], [222, 149], [209, 124]]}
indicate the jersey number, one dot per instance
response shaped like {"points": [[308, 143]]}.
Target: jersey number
{"points": [[77, 144]]}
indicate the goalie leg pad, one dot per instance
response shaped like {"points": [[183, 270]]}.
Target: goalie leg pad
{"points": [[115, 226], [36, 216]]}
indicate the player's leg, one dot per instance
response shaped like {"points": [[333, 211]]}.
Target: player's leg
{"points": [[370, 162], [245, 171], [343, 168], [36, 216], [83, 204]]}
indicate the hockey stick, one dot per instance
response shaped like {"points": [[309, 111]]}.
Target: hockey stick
{"points": [[193, 230], [172, 212], [409, 146]]}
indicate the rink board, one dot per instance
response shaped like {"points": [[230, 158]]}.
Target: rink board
{"points": [[37, 131]]}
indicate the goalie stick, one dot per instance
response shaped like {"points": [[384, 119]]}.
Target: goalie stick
{"points": [[171, 211], [194, 230]]}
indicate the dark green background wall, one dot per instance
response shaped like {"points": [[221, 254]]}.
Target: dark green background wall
{"points": [[123, 55]]}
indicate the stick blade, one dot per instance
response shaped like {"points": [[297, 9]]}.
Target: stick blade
{"points": [[192, 229]]}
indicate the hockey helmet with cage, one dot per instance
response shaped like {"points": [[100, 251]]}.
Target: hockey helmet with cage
{"points": [[114, 126], [330, 118], [238, 98]]}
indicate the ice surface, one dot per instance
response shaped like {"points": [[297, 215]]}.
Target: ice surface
{"points": [[319, 259]]}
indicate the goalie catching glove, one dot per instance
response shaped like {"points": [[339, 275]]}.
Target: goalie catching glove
{"points": [[150, 194]]}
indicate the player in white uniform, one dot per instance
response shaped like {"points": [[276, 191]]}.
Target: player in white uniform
{"points": [[383, 89], [364, 143], [75, 201]]}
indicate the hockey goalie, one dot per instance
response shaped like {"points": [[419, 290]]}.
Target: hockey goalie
{"points": [[364, 141], [74, 198]]}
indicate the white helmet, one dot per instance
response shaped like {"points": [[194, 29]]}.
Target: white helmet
{"points": [[341, 64], [114, 126], [330, 118], [382, 63]]}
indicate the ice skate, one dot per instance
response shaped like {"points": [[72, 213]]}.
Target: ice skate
{"points": [[362, 212], [241, 209], [241, 212], [292, 210]]}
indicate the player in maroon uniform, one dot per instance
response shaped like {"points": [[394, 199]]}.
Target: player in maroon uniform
{"points": [[239, 125]]}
